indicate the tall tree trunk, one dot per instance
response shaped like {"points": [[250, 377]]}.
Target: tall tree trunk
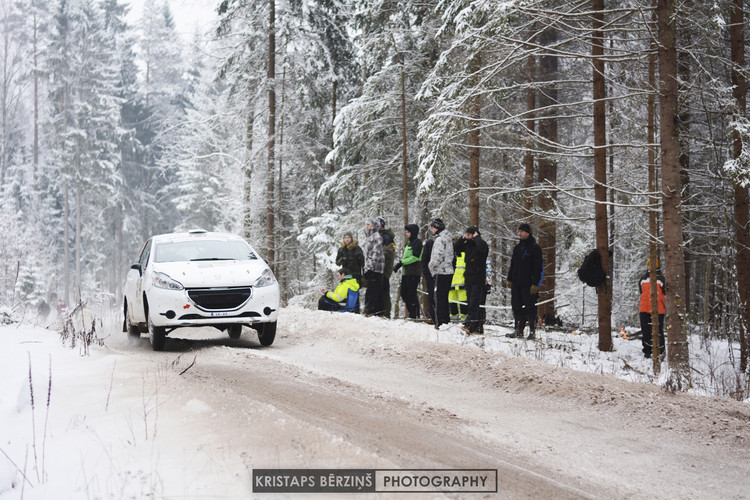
{"points": [[741, 198], [281, 273], [119, 265], [604, 291], [404, 175], [684, 59], [4, 111], [247, 217], [35, 161], [528, 179], [148, 76], [66, 231], [653, 251], [334, 105], [79, 208], [270, 205], [476, 109], [611, 158], [678, 353], [547, 166], [331, 166]]}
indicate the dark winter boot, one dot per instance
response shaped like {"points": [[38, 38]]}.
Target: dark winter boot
{"points": [[518, 330], [532, 329]]}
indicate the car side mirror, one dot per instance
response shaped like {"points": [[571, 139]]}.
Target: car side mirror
{"points": [[137, 267]]}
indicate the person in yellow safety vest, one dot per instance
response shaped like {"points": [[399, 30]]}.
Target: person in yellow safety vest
{"points": [[336, 300], [458, 291]]}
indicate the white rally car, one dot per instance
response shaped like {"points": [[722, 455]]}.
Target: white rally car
{"points": [[200, 279]]}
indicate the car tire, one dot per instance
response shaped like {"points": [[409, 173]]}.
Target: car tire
{"points": [[266, 333], [157, 335], [133, 331], [234, 331]]}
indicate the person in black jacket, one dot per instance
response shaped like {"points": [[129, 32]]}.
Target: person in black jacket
{"points": [[524, 277], [429, 280], [389, 251], [411, 262], [351, 257], [476, 251]]}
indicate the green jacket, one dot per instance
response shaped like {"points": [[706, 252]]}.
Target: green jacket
{"points": [[412, 258]]}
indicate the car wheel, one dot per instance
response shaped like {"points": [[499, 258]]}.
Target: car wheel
{"points": [[157, 334], [234, 331], [132, 329], [266, 333]]}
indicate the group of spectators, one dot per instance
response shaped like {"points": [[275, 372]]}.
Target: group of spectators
{"points": [[435, 261], [439, 260]]}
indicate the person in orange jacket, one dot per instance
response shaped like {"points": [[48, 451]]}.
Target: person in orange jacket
{"points": [[644, 308]]}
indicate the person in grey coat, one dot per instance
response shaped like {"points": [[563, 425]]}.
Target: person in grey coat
{"points": [[441, 268], [374, 266]]}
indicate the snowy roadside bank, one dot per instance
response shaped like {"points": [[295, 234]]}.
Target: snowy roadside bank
{"points": [[195, 420]]}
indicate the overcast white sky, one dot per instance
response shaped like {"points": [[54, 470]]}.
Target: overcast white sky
{"points": [[187, 13]]}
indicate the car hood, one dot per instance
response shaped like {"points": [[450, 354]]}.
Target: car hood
{"points": [[200, 274]]}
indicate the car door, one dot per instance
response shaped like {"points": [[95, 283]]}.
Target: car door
{"points": [[134, 285]]}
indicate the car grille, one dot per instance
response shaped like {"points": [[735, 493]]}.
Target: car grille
{"points": [[247, 314], [218, 299]]}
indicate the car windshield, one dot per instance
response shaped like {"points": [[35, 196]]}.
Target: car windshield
{"points": [[203, 250]]}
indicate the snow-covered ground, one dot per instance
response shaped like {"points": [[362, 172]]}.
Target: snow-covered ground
{"points": [[344, 391]]}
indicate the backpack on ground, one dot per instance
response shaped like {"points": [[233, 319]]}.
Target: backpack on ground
{"points": [[591, 271]]}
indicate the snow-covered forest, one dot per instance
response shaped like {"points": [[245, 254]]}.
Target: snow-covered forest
{"points": [[617, 126]]}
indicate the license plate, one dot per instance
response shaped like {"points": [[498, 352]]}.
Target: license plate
{"points": [[216, 314]]}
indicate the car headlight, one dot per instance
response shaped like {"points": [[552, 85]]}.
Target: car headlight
{"points": [[161, 280], [266, 278]]}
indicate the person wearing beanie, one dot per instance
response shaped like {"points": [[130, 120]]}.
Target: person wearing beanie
{"points": [[441, 268], [389, 253], [438, 224], [475, 252], [336, 300], [374, 265], [524, 278], [411, 262], [350, 257]]}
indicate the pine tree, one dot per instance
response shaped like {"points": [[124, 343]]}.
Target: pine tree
{"points": [[86, 121], [165, 101], [12, 87], [673, 238]]}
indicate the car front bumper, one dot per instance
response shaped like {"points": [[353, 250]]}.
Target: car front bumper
{"points": [[174, 308]]}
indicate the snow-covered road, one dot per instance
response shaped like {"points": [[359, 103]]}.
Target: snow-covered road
{"points": [[347, 392]]}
